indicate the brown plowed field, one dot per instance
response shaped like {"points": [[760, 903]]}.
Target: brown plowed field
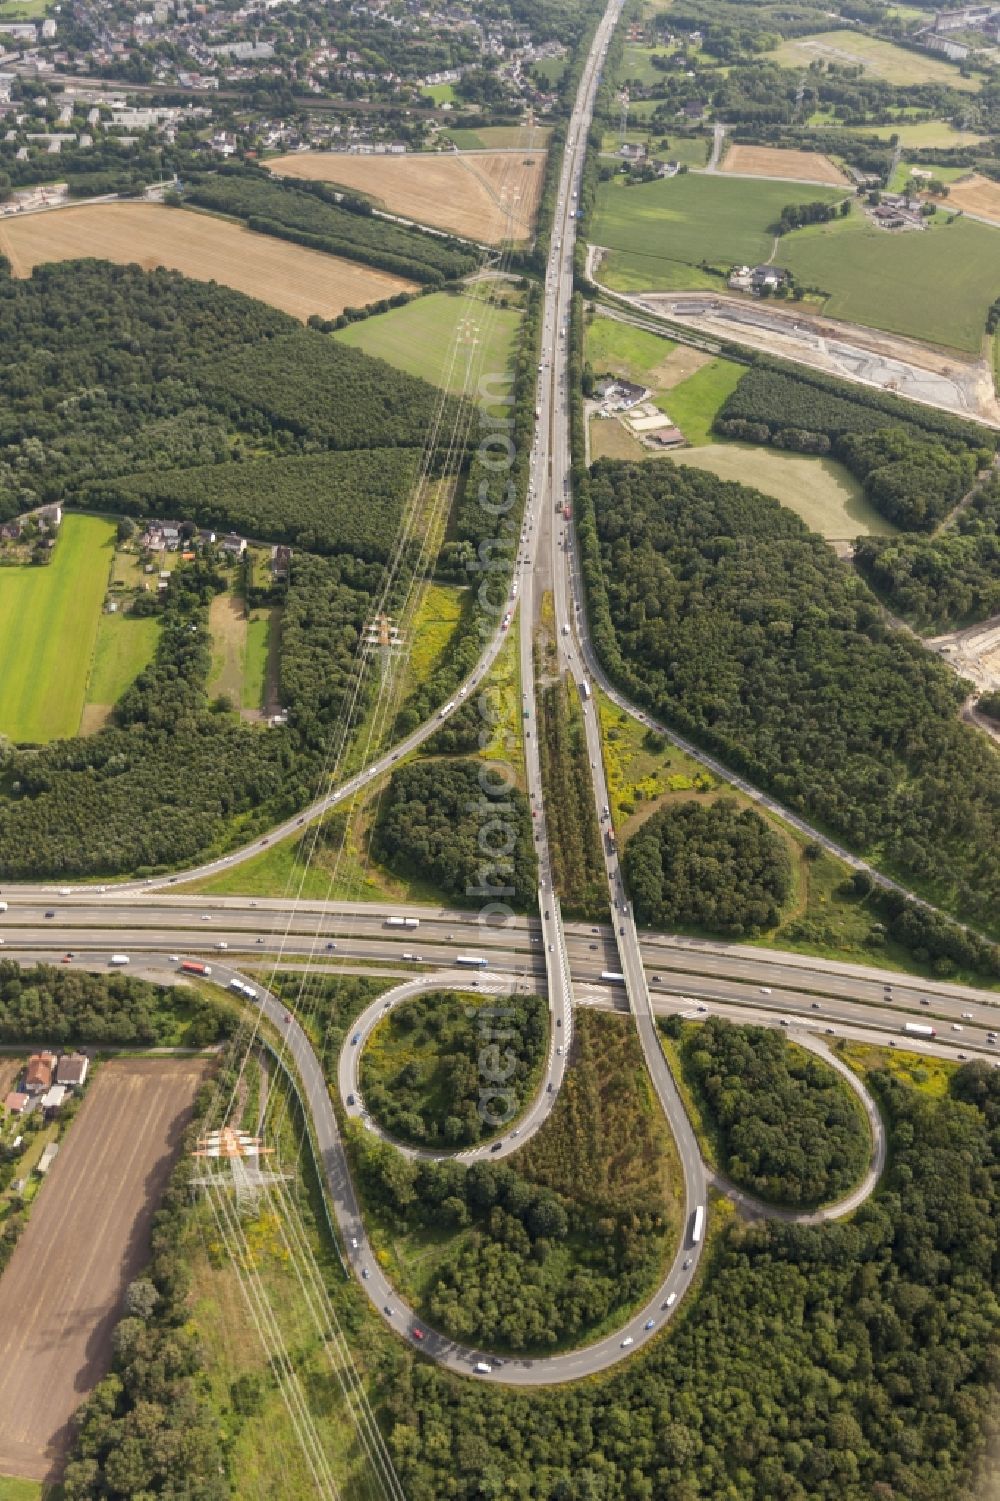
{"points": [[771, 161], [468, 192], [86, 1238], [287, 276], [978, 195]]}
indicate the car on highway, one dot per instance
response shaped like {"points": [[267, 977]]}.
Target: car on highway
{"points": [[967, 1016], [628, 1340], [330, 946], [350, 1099], [784, 1021], [355, 1039], [649, 1324], [687, 1263], [354, 1242], [418, 1333], [50, 914], [764, 989], [496, 1146], [559, 1051], [365, 1272], [66, 958], [389, 1311], [815, 1005], [830, 1032]]}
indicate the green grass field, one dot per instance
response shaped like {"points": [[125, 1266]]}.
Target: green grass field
{"points": [[255, 661], [12, 1489], [624, 272], [125, 645], [23, 10], [903, 175], [439, 93], [696, 218], [881, 59], [929, 133], [619, 349], [895, 281], [820, 490], [48, 625], [418, 338], [693, 403]]}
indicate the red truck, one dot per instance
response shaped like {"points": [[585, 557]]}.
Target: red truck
{"points": [[192, 967]]}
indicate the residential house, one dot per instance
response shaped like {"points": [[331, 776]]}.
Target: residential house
{"points": [[16, 1103], [38, 1075], [233, 545], [281, 558], [632, 151], [71, 1069]]}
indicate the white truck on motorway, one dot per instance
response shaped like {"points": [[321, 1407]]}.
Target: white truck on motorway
{"points": [[918, 1029], [3, 906], [402, 922], [118, 960], [698, 1224]]}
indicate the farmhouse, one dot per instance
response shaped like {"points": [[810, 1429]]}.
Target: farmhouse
{"points": [[281, 559], [617, 394], [633, 151]]}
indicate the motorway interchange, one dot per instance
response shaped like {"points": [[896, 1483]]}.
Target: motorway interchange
{"points": [[571, 963]]}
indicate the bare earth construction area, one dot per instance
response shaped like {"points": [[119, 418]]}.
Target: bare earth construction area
{"points": [[61, 1293], [771, 161], [485, 195], [845, 349], [289, 277]]}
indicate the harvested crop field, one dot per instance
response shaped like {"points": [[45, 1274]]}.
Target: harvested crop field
{"points": [[977, 195], [289, 277], [771, 161], [86, 1239], [881, 59], [469, 193]]}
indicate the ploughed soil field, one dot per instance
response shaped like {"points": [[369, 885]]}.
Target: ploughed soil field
{"points": [[85, 1240]]}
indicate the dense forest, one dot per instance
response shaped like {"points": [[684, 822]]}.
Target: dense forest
{"points": [[432, 1063], [437, 824], [715, 607], [65, 1007], [228, 411], [914, 464], [309, 213], [328, 503], [171, 373], [542, 1253], [942, 582], [708, 865], [845, 1362], [783, 1124]]}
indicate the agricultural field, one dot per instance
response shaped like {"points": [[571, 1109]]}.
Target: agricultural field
{"points": [[487, 196], [290, 277], [61, 1292], [49, 619], [894, 281], [771, 161], [125, 645], [610, 439], [820, 490], [977, 195], [500, 137], [694, 218], [882, 59], [438, 336]]}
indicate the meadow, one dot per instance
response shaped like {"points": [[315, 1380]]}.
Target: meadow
{"points": [[894, 281], [693, 403], [420, 338], [290, 277], [125, 645], [821, 491], [882, 59], [693, 218], [48, 626]]}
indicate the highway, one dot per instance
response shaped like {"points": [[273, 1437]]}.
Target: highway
{"points": [[566, 962]]}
